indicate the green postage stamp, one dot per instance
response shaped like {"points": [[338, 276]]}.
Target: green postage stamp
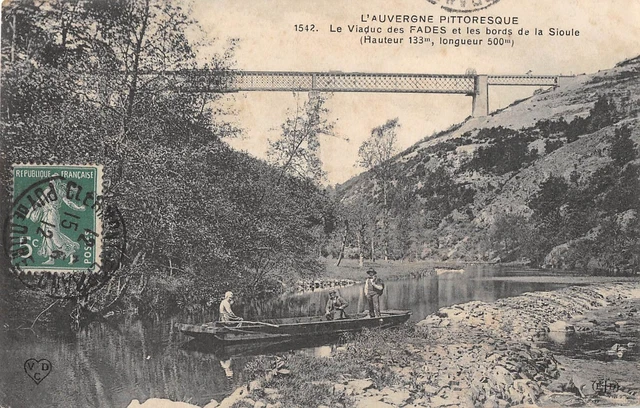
{"points": [[56, 220]]}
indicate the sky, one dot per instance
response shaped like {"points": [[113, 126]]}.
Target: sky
{"points": [[608, 33]]}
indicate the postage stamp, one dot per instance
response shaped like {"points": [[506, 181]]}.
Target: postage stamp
{"points": [[56, 219], [464, 6]]}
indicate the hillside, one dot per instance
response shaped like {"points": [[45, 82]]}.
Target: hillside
{"points": [[551, 180]]}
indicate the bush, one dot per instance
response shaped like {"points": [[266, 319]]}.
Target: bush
{"points": [[623, 149], [552, 144], [503, 156]]}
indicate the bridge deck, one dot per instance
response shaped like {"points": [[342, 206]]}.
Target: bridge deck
{"points": [[240, 81]]}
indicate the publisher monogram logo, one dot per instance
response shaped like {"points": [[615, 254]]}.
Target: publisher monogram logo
{"points": [[463, 5], [605, 386]]}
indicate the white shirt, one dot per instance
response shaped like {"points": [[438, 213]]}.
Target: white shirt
{"points": [[226, 314]]}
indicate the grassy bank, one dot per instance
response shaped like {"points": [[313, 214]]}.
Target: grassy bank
{"points": [[365, 360]]}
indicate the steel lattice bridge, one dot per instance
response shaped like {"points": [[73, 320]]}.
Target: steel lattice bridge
{"points": [[476, 86]]}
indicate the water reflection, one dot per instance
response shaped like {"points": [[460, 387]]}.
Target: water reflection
{"points": [[226, 366], [266, 346], [600, 345], [558, 337], [108, 365]]}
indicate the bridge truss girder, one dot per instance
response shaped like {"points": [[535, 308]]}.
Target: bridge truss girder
{"points": [[278, 81]]}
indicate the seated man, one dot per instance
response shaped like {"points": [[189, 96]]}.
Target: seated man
{"points": [[226, 314], [336, 304]]}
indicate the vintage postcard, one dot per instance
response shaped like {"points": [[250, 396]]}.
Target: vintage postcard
{"points": [[330, 203]]}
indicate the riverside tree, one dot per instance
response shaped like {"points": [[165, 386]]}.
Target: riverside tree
{"points": [[361, 217], [296, 154], [297, 150], [375, 154]]}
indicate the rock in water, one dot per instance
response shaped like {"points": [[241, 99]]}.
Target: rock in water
{"points": [[561, 326]]}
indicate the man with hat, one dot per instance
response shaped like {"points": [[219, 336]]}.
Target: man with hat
{"points": [[336, 304], [373, 288]]}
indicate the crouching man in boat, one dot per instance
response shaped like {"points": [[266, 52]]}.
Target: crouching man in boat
{"points": [[226, 314], [373, 288], [336, 305]]}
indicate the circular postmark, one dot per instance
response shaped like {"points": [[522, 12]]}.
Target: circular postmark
{"points": [[463, 6], [61, 236]]}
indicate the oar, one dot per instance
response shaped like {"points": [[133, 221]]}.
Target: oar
{"points": [[242, 321], [262, 323]]}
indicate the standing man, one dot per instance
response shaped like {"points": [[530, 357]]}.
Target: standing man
{"points": [[226, 314], [373, 288]]}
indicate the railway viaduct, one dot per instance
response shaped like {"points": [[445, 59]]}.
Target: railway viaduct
{"points": [[476, 86]]}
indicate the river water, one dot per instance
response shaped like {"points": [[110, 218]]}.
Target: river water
{"points": [[109, 364]]}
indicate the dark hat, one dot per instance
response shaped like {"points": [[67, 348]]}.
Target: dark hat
{"points": [[371, 271]]}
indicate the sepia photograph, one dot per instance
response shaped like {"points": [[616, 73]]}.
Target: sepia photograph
{"points": [[320, 204]]}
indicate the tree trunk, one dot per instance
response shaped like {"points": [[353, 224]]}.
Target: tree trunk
{"points": [[373, 254], [133, 86], [385, 223], [344, 242], [360, 249], [13, 39]]}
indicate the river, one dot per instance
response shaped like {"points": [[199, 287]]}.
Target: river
{"points": [[109, 364]]}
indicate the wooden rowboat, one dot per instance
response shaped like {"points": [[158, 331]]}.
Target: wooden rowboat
{"points": [[291, 328]]}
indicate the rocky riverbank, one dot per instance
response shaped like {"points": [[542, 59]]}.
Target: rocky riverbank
{"points": [[472, 355], [506, 364]]}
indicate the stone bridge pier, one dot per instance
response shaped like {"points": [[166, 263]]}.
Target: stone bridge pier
{"points": [[480, 104]]}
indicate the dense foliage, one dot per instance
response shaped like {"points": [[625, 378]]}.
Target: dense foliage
{"points": [[92, 82]]}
